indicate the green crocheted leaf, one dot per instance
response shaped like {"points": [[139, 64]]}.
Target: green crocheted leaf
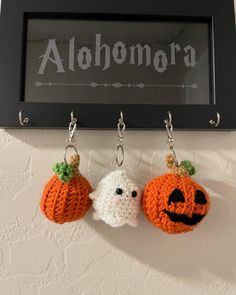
{"points": [[64, 171], [188, 166]]}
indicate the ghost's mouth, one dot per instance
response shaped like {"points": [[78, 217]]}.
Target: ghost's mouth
{"points": [[175, 217]]}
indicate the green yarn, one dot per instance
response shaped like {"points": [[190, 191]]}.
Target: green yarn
{"points": [[188, 166], [64, 171]]}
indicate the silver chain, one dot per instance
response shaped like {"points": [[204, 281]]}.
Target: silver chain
{"points": [[120, 154], [71, 141], [72, 130], [170, 138]]}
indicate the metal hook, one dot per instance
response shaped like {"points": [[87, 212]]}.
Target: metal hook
{"points": [[22, 121], [168, 122], [72, 118], [121, 117], [217, 122]]}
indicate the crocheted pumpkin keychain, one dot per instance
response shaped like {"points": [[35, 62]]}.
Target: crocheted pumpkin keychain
{"points": [[66, 195], [174, 202], [117, 197]]}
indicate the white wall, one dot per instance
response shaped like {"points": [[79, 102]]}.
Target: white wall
{"points": [[90, 258]]}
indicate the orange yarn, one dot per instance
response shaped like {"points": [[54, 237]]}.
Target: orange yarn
{"points": [[66, 201], [175, 203]]}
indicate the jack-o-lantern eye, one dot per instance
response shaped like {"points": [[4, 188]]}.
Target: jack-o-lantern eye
{"points": [[176, 196], [200, 198]]}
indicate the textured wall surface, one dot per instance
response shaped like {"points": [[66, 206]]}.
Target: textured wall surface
{"points": [[90, 258]]}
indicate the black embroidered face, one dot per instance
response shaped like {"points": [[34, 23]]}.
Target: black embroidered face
{"points": [[134, 194], [175, 217], [200, 198], [177, 196], [119, 191]]}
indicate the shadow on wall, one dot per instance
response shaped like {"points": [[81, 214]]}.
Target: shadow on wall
{"points": [[211, 246], [149, 139]]}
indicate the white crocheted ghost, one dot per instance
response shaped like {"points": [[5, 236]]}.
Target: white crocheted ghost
{"points": [[116, 200]]}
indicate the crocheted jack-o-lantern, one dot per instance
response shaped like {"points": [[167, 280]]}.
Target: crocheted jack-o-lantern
{"points": [[173, 201], [66, 195]]}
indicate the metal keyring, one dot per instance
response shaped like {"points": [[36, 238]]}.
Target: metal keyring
{"points": [[69, 146], [120, 152]]}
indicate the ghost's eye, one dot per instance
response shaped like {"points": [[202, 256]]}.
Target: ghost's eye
{"points": [[134, 194], [119, 191]]}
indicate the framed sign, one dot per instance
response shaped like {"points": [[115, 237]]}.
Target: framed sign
{"points": [[118, 60], [97, 59]]}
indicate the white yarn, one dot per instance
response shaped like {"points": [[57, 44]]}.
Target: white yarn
{"points": [[116, 209]]}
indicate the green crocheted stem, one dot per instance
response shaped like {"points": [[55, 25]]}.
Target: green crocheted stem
{"points": [[64, 171], [186, 164]]}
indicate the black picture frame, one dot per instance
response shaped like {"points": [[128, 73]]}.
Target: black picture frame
{"points": [[104, 116]]}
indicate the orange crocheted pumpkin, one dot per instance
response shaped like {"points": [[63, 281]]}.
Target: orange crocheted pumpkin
{"points": [[173, 201], [66, 195]]}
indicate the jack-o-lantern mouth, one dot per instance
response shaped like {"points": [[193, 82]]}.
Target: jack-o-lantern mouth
{"points": [[175, 217]]}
